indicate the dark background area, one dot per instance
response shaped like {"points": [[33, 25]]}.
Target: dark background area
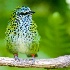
{"points": [[53, 20]]}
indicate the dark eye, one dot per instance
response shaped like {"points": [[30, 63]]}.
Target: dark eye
{"points": [[22, 13]]}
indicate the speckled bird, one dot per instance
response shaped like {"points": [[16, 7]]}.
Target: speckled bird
{"points": [[21, 33]]}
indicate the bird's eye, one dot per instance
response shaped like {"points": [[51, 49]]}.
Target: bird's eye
{"points": [[22, 13]]}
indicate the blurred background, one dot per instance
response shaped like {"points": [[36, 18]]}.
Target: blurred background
{"points": [[53, 20]]}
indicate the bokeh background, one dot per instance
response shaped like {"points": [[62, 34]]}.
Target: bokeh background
{"points": [[53, 20]]}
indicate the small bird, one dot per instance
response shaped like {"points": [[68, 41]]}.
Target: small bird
{"points": [[21, 33]]}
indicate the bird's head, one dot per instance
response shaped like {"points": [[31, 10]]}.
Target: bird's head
{"points": [[24, 11]]}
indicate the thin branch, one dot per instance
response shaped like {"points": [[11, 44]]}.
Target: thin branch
{"points": [[59, 62]]}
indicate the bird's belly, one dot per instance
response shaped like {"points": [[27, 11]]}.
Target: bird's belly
{"points": [[22, 49], [26, 48], [21, 46]]}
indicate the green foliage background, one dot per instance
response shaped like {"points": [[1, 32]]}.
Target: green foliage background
{"points": [[53, 20]]}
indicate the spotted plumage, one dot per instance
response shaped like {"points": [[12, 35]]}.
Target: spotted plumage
{"points": [[21, 33]]}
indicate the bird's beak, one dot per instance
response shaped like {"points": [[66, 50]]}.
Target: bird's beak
{"points": [[31, 12]]}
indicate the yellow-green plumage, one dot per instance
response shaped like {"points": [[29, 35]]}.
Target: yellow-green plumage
{"points": [[21, 33]]}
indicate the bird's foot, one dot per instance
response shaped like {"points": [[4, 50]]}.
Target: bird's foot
{"points": [[16, 57], [32, 60]]}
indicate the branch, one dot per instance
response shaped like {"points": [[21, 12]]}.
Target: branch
{"points": [[59, 62]]}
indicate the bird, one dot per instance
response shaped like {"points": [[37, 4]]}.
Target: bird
{"points": [[22, 35]]}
